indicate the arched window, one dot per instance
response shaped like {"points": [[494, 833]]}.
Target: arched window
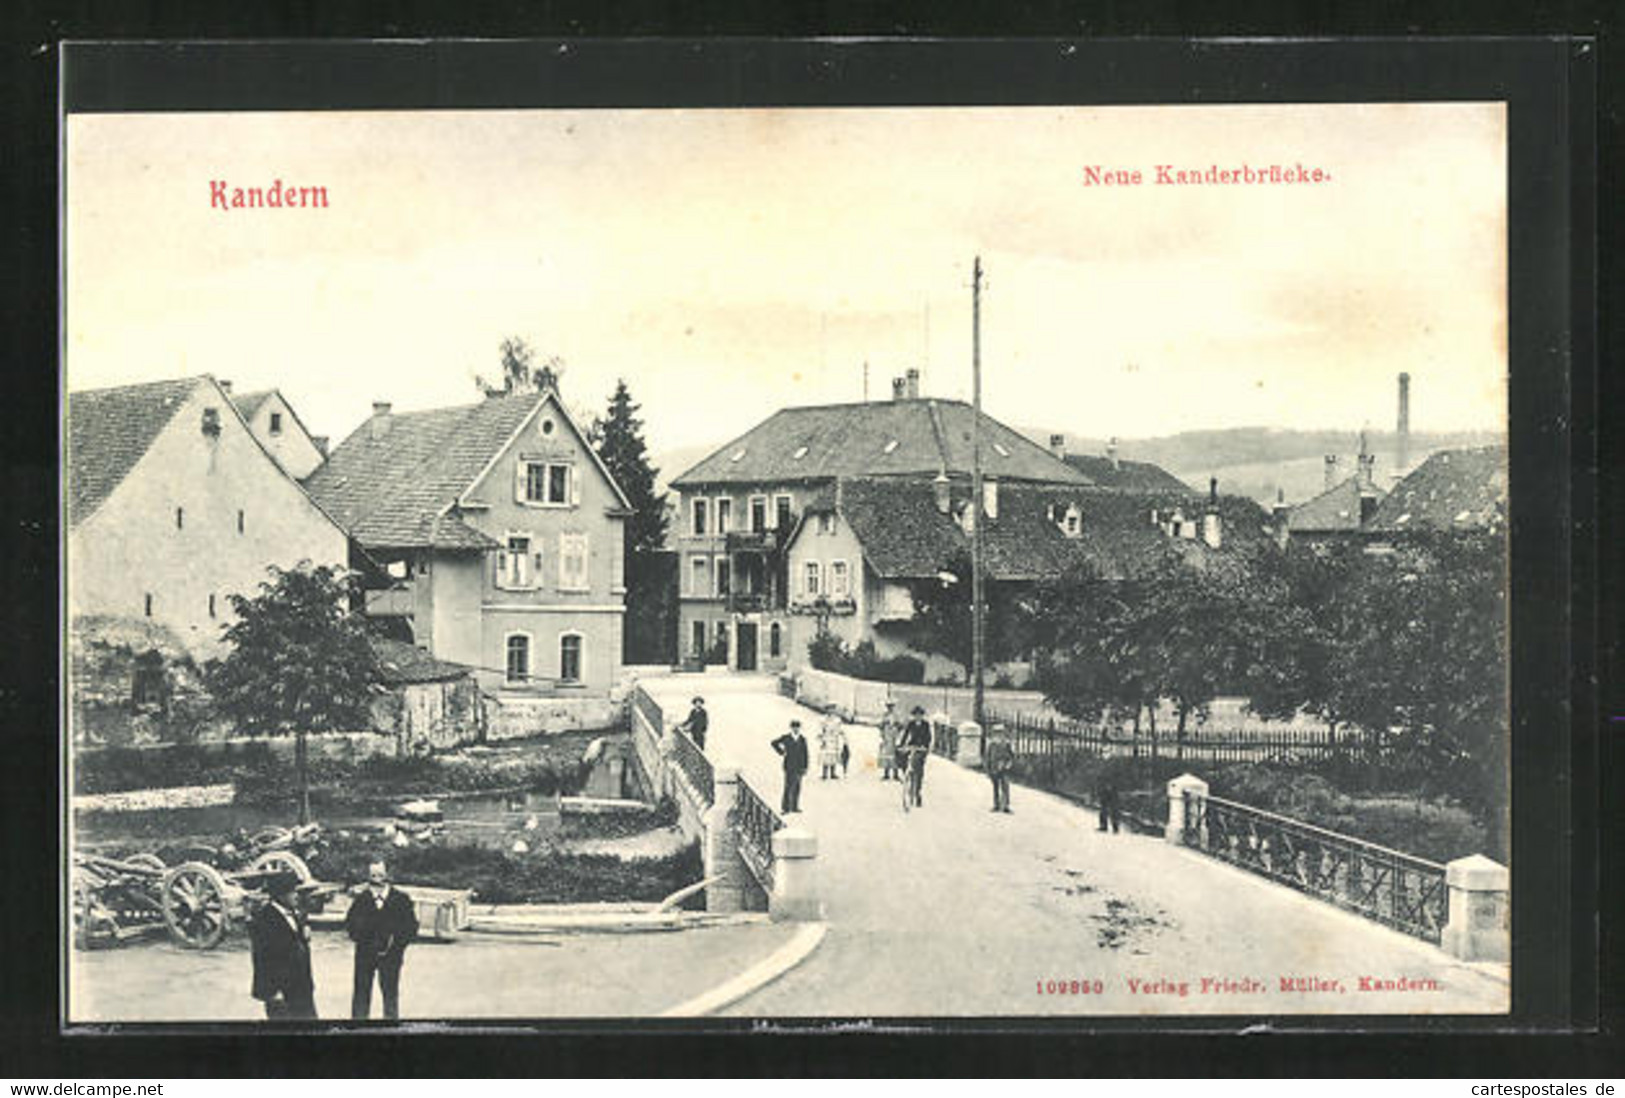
{"points": [[775, 640], [518, 658], [570, 657]]}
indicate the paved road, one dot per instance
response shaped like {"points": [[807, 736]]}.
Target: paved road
{"points": [[565, 976], [953, 910]]}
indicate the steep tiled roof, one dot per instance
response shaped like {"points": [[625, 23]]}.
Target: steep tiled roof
{"points": [[1135, 476], [391, 491], [249, 403], [904, 536], [877, 438], [403, 664], [1336, 510], [1451, 490], [108, 432]]}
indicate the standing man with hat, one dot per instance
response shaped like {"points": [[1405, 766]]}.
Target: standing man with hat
{"points": [[698, 723], [999, 760], [279, 945], [792, 747], [382, 922]]}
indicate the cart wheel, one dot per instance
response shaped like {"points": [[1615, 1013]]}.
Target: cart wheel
{"points": [[146, 861], [273, 861], [271, 836], [194, 899]]}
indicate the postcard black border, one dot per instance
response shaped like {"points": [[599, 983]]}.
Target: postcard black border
{"points": [[1548, 86]]}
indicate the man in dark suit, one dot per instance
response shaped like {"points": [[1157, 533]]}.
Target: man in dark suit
{"points": [[792, 747], [916, 741], [698, 723], [382, 922], [279, 942]]}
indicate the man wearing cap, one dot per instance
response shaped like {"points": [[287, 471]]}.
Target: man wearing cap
{"points": [[792, 747], [279, 945], [916, 740], [999, 760], [697, 723], [382, 922]]}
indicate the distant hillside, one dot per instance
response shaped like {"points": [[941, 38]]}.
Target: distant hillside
{"points": [[1256, 461]]}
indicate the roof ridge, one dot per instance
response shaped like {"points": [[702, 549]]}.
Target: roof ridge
{"points": [[194, 378]]}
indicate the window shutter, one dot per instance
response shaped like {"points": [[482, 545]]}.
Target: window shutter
{"points": [[575, 487], [585, 558], [519, 471], [499, 566]]}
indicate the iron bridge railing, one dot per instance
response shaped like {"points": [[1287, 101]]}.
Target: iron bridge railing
{"points": [[945, 740], [1390, 887], [754, 823]]}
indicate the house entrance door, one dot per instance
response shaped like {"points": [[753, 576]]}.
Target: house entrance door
{"points": [[747, 646]]}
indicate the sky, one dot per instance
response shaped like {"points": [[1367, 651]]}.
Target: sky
{"points": [[727, 263]]}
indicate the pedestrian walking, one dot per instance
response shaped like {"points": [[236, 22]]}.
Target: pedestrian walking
{"points": [[382, 922], [697, 723], [1108, 794], [831, 742], [890, 729], [792, 748], [279, 949], [999, 760], [916, 738]]}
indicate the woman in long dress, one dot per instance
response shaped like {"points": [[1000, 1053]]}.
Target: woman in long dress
{"points": [[831, 738]]}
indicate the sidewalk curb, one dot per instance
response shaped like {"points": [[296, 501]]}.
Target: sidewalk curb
{"points": [[758, 976]]}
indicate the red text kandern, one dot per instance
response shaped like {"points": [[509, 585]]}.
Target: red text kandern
{"points": [[275, 197]]}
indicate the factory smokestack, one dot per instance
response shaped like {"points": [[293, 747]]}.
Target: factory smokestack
{"points": [[1404, 431]]}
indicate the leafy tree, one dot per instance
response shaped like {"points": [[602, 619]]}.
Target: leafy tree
{"points": [[520, 372], [942, 616], [618, 438], [298, 661]]}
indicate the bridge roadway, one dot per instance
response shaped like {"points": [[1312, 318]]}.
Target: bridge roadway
{"points": [[954, 910]]}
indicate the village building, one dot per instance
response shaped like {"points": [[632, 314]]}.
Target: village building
{"points": [[738, 507], [1109, 470], [279, 428], [498, 536], [865, 546], [173, 505], [1343, 509], [1453, 490]]}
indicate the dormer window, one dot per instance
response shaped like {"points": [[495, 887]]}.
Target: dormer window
{"points": [[889, 447], [211, 422], [801, 452], [737, 454]]}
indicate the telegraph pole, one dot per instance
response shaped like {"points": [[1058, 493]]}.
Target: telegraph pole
{"points": [[978, 511]]}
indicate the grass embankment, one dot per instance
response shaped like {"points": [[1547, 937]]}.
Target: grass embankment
{"points": [[1431, 828]]}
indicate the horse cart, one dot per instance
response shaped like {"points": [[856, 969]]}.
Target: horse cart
{"points": [[195, 901]]}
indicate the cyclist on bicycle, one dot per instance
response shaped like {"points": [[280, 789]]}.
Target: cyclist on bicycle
{"points": [[912, 748]]}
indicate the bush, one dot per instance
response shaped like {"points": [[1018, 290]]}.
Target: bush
{"points": [[827, 652]]}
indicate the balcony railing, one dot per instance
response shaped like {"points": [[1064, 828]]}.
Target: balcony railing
{"points": [[1390, 887], [745, 602], [751, 541], [754, 823]]}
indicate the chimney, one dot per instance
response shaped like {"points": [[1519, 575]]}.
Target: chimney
{"points": [[1057, 447], [1331, 470], [913, 384], [1212, 525], [1111, 453], [990, 497], [380, 418], [939, 487], [1404, 456], [1279, 510], [225, 386], [899, 388]]}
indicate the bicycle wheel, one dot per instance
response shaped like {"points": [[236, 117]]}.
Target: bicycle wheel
{"points": [[907, 785]]}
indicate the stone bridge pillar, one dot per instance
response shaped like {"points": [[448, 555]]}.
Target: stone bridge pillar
{"points": [[970, 744], [1185, 791], [721, 847], [795, 875], [1477, 926]]}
